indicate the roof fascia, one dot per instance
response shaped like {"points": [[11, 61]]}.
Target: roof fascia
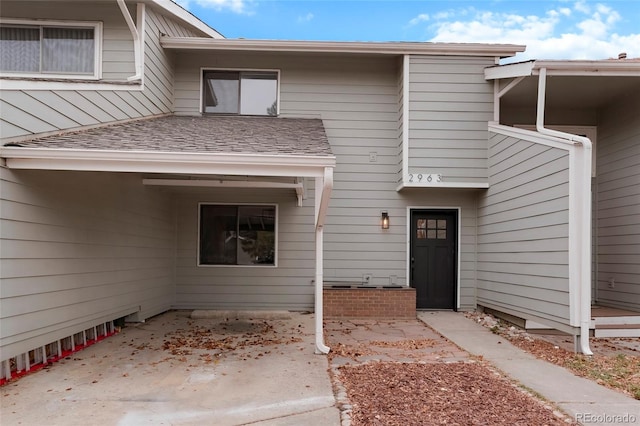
{"points": [[605, 68], [378, 48], [610, 68], [185, 16], [520, 69], [166, 162]]}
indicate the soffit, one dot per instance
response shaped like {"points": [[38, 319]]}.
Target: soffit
{"points": [[574, 92]]}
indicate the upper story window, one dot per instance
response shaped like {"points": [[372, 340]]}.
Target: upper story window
{"points": [[50, 49], [240, 92]]}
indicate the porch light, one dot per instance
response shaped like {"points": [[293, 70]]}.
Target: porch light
{"points": [[384, 220]]}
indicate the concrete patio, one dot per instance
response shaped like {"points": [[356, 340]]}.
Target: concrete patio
{"points": [[259, 371]]}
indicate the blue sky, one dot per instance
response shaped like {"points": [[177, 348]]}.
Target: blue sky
{"points": [[551, 29]]}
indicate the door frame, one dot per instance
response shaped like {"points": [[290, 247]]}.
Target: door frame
{"points": [[458, 211]]}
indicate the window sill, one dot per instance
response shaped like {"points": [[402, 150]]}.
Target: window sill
{"points": [[204, 265], [39, 83]]}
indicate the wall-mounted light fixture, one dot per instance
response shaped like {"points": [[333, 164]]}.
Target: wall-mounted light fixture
{"points": [[384, 220]]}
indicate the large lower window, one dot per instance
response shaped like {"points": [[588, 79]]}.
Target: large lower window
{"points": [[237, 235], [240, 92], [60, 49]]}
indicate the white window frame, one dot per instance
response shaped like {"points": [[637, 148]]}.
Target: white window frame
{"points": [[275, 257], [203, 69], [97, 38]]}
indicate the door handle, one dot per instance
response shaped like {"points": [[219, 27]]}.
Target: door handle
{"points": [[412, 268]]}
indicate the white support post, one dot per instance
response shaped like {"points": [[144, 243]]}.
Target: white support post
{"points": [[6, 370], [44, 355], [496, 101], [579, 222], [323, 189], [20, 365], [321, 348]]}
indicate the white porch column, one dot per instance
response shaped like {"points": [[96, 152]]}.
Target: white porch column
{"points": [[323, 188]]}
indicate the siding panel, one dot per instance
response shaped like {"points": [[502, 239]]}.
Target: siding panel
{"points": [[449, 98], [79, 249], [523, 231], [618, 208], [359, 102]]}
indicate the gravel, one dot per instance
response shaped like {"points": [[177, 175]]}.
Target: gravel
{"points": [[403, 373], [437, 394]]}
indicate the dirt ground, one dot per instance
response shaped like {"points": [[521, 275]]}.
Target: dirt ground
{"points": [[403, 373], [615, 362]]}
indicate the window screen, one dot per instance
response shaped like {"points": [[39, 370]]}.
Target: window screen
{"points": [[47, 49], [240, 92]]}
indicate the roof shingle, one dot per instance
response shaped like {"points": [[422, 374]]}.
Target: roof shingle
{"points": [[207, 134]]}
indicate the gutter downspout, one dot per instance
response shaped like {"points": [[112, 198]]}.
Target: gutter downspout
{"points": [[582, 210], [136, 40], [323, 194]]}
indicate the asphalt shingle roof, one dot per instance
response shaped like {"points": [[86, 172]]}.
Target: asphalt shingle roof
{"points": [[207, 134]]}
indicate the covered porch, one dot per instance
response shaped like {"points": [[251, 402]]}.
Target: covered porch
{"points": [[113, 225], [589, 103], [614, 322]]}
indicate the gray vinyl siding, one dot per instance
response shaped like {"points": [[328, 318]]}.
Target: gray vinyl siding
{"points": [[287, 286], [618, 210], [450, 104], [78, 249], [357, 99], [26, 112], [354, 244], [401, 90], [523, 232]]}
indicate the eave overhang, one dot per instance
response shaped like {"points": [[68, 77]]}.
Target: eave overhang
{"points": [[371, 48], [166, 162], [185, 16], [610, 68]]}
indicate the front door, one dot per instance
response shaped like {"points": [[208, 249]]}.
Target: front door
{"points": [[434, 258]]}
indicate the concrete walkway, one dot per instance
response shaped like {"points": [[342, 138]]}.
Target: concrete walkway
{"points": [[583, 399]]}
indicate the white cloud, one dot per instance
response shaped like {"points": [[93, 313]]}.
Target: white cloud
{"points": [[423, 17], [305, 18], [443, 15], [585, 32], [582, 6], [237, 6]]}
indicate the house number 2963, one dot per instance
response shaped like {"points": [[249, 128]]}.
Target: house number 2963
{"points": [[424, 177]]}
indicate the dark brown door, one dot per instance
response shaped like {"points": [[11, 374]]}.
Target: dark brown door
{"points": [[434, 258]]}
